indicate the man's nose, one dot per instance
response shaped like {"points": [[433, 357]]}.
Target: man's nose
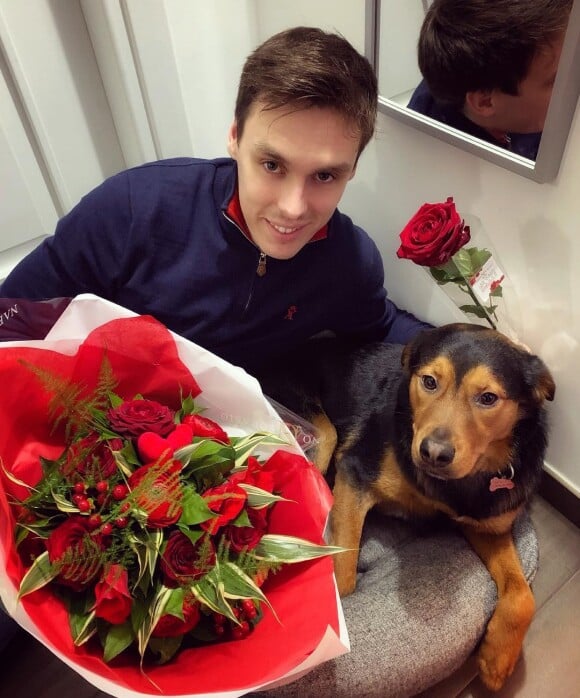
{"points": [[292, 200]]}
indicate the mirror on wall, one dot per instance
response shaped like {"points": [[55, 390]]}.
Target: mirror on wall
{"points": [[392, 31]]}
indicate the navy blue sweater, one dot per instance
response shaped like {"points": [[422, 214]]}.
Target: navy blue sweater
{"points": [[524, 144], [157, 239]]}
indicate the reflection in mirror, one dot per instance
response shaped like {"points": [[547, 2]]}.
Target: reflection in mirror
{"points": [[393, 28]]}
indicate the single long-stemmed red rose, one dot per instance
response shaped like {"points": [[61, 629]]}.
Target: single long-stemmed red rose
{"points": [[436, 238]]}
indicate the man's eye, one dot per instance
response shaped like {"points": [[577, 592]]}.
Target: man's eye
{"points": [[324, 177], [271, 166], [429, 383]]}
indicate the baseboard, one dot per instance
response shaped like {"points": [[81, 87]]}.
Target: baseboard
{"points": [[561, 498]]}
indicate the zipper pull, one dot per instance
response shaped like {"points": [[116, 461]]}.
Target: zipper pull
{"points": [[261, 270]]}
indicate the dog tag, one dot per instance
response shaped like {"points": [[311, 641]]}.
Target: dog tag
{"points": [[500, 483]]}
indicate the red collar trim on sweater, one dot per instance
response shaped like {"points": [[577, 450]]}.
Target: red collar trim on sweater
{"points": [[234, 211]]}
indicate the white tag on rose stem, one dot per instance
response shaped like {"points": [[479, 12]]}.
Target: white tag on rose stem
{"points": [[486, 280]]}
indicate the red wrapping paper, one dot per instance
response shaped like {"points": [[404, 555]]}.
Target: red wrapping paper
{"points": [[144, 356]]}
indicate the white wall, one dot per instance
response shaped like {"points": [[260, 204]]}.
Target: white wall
{"points": [[533, 227]]}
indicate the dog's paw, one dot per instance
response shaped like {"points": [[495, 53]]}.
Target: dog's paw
{"points": [[494, 669], [495, 665]]}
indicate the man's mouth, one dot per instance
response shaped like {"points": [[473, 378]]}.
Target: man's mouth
{"points": [[284, 230]]}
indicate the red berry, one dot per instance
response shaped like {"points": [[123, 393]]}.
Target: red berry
{"points": [[84, 505], [121, 521], [107, 529], [241, 631], [101, 498], [102, 486], [95, 521], [119, 492], [79, 487], [76, 498]]}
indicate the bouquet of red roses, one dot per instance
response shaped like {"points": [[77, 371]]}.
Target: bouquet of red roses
{"points": [[436, 237], [155, 532]]}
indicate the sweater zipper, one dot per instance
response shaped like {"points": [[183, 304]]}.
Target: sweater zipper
{"points": [[260, 269]]}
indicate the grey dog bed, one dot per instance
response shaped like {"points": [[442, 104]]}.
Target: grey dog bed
{"points": [[421, 605]]}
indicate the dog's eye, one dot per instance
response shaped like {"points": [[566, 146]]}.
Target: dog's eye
{"points": [[429, 383], [488, 399]]}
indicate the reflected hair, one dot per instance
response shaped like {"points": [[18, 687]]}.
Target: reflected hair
{"points": [[306, 67], [468, 45]]}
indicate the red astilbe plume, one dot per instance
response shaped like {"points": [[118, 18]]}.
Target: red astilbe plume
{"points": [[156, 489]]}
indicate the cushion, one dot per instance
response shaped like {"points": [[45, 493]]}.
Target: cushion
{"points": [[421, 605]]}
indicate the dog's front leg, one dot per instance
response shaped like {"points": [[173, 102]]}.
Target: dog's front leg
{"points": [[502, 643], [347, 517]]}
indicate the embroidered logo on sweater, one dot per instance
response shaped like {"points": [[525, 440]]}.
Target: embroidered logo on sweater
{"points": [[292, 310]]}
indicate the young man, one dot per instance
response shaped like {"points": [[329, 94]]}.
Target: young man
{"points": [[489, 67], [246, 256]]}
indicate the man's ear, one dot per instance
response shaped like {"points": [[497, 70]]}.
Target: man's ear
{"points": [[233, 139], [480, 103]]}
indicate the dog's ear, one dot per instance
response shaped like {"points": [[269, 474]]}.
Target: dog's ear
{"points": [[539, 378], [406, 357]]}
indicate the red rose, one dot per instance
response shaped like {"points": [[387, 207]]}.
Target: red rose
{"points": [[156, 489], [256, 474], [75, 553], [434, 234], [227, 501], [183, 562], [202, 426], [30, 548], [248, 537], [136, 416], [92, 458], [112, 598], [172, 626]]}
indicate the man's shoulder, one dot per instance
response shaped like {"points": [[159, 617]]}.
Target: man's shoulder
{"points": [[351, 243], [180, 167]]}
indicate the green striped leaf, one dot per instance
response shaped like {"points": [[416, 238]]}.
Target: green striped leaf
{"points": [[82, 628], [62, 504], [245, 445], [40, 574], [289, 549], [258, 498]]}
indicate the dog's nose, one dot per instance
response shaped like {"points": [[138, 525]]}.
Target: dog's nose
{"points": [[436, 449]]}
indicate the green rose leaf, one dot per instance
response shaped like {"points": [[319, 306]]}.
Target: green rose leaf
{"points": [[195, 508], [476, 310], [165, 647], [118, 638]]}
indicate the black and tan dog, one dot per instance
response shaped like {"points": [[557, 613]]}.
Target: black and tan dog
{"points": [[454, 423]]}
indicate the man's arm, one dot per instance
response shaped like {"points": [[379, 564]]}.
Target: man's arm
{"points": [[369, 313], [84, 255]]}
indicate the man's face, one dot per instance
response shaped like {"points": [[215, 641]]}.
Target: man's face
{"points": [[293, 167], [526, 111]]}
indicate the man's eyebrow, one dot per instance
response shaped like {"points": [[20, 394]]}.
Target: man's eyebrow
{"points": [[265, 151]]}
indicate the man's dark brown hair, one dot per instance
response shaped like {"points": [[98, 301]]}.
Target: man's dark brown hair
{"points": [[306, 67], [469, 45]]}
